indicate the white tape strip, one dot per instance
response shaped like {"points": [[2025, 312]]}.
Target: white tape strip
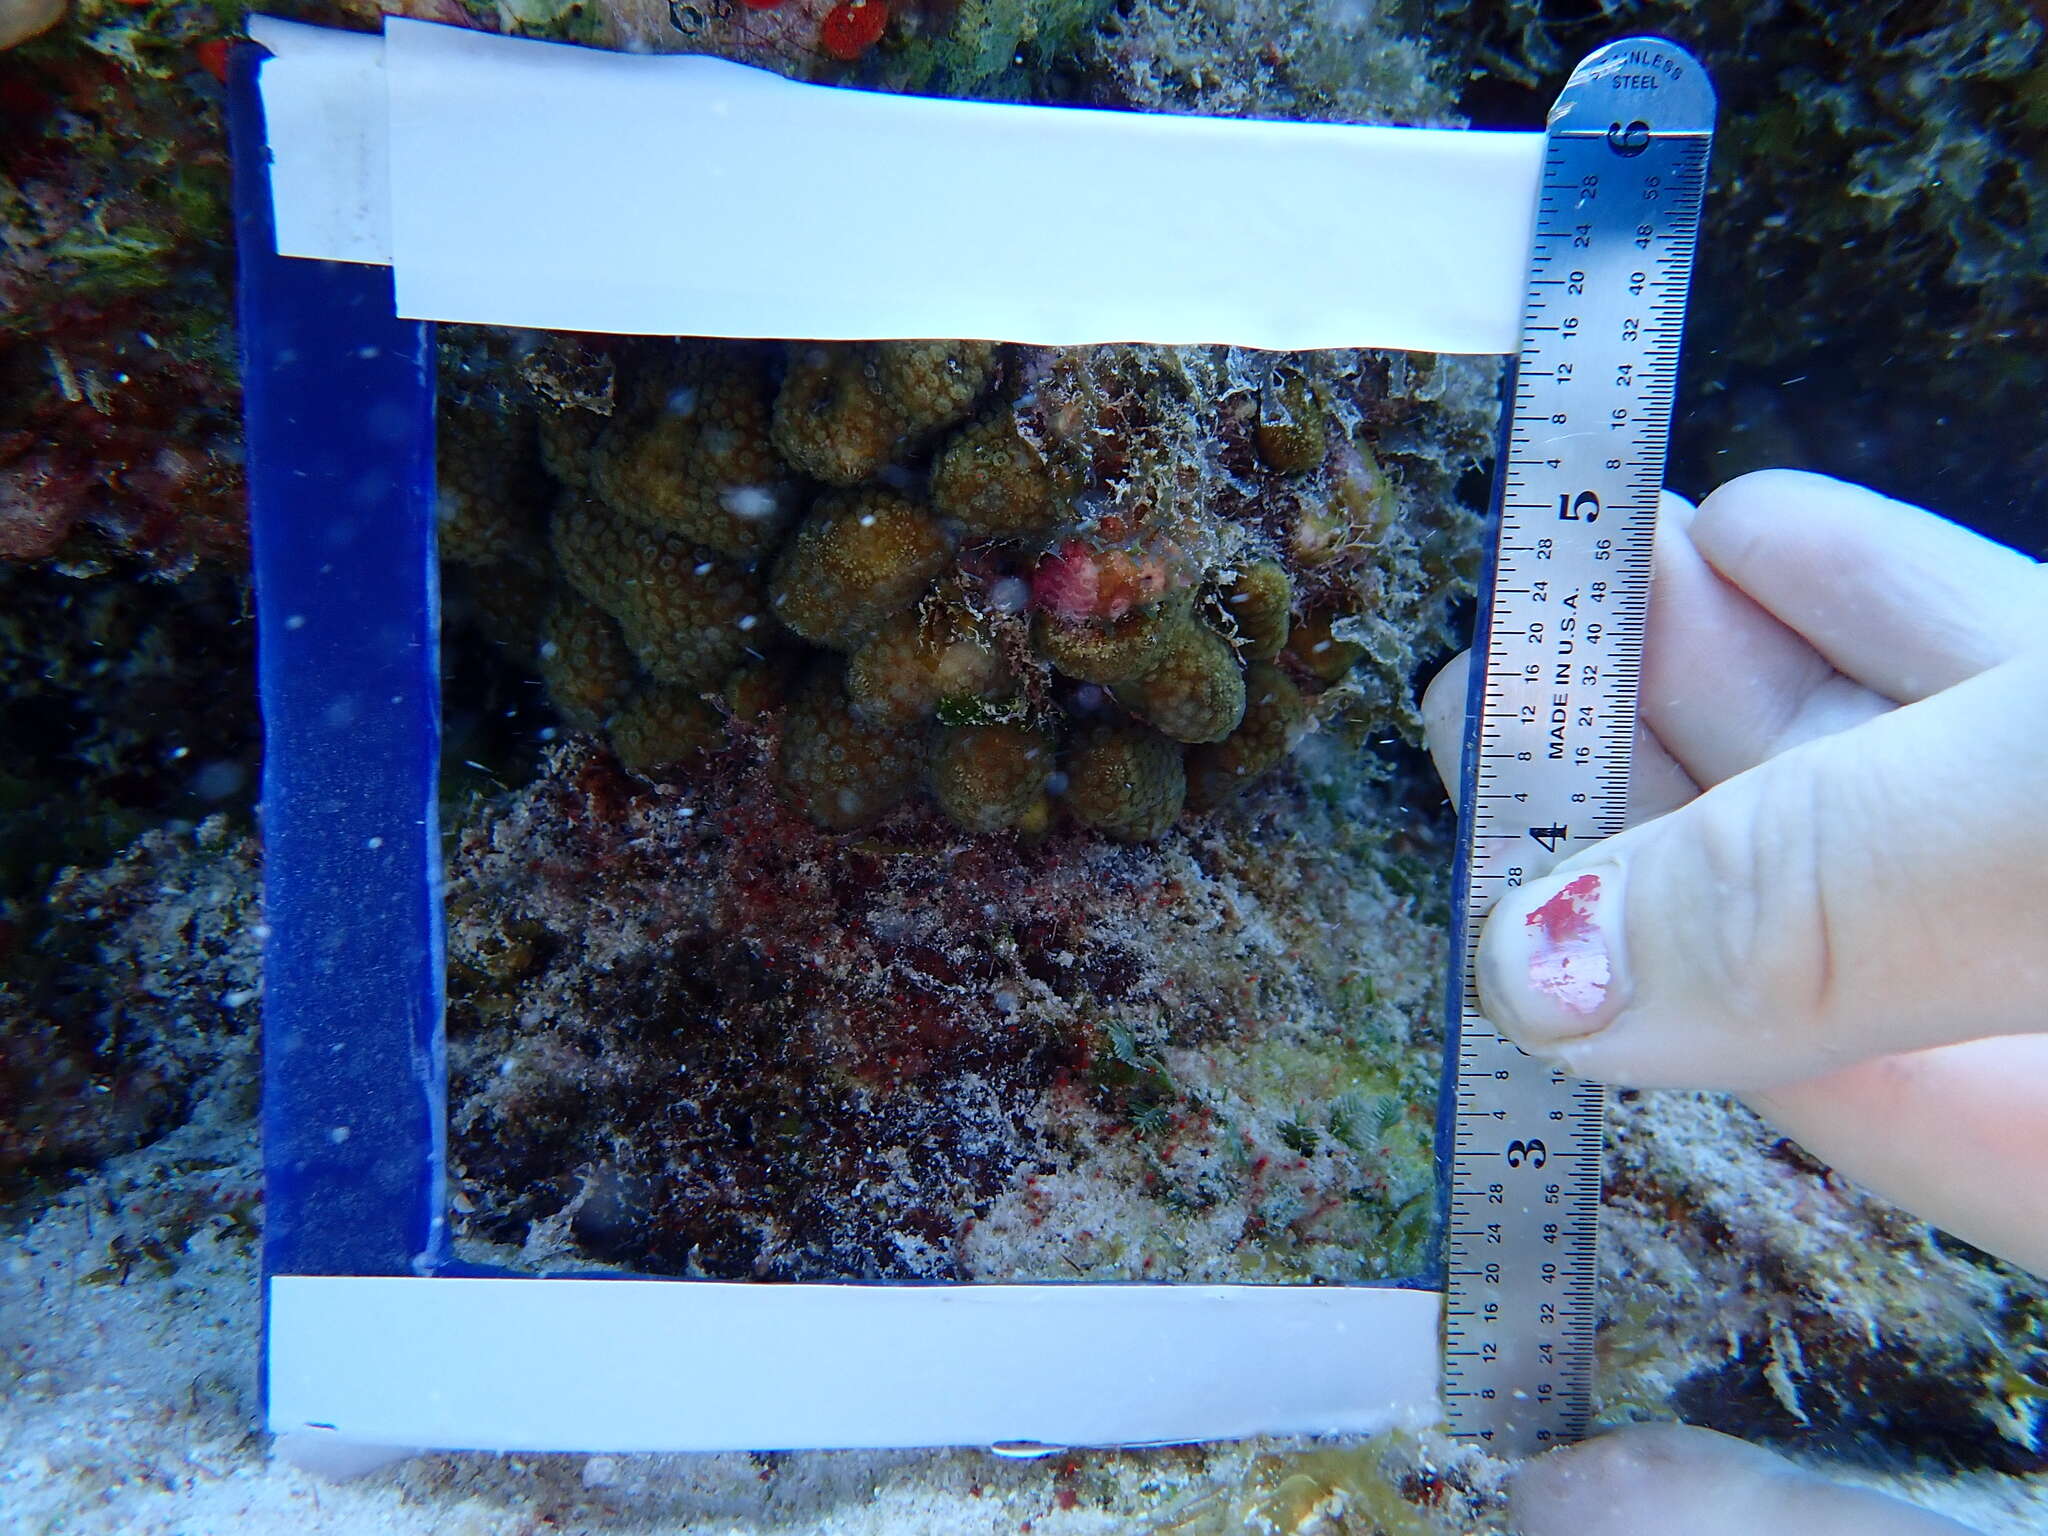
{"points": [[645, 1365], [562, 188], [324, 107]]}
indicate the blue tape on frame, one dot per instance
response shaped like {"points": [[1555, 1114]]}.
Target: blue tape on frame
{"points": [[339, 402]]}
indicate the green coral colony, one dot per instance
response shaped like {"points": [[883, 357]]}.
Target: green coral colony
{"points": [[941, 566]]}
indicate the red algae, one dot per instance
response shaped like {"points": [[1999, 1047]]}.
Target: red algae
{"points": [[851, 29]]}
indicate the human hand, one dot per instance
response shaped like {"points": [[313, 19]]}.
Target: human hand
{"points": [[1677, 1481], [21, 20], [1835, 901]]}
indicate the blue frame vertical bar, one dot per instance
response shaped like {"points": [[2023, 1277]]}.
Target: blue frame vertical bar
{"points": [[339, 409]]}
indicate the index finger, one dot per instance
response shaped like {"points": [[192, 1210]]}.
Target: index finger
{"points": [[1903, 601]]}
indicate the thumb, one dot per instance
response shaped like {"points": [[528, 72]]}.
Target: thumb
{"points": [[1883, 889]]}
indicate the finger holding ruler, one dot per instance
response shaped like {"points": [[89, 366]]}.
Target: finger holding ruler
{"points": [[1550, 717]]}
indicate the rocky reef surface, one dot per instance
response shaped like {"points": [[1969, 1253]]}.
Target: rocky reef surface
{"points": [[1131, 970], [999, 1014], [694, 1034], [1867, 302]]}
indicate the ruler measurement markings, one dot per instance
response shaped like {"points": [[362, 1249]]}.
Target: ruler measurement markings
{"points": [[1559, 653]]}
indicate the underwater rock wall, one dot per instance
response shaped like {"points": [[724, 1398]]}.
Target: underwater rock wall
{"points": [[618, 963], [1084, 598], [136, 1001], [986, 614], [1870, 300], [120, 412]]}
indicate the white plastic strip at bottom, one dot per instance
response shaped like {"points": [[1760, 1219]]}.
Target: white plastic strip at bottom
{"points": [[654, 1365], [513, 182]]}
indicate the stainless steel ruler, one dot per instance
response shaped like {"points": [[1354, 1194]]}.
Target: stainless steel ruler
{"points": [[1550, 720]]}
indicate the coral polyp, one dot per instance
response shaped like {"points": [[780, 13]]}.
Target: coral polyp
{"points": [[1290, 432], [1108, 652], [1259, 604], [992, 777], [993, 482], [855, 561], [1315, 647], [847, 409], [695, 461], [664, 728], [844, 772], [584, 662], [925, 657], [933, 384], [1193, 690], [832, 420], [688, 617], [1127, 783], [1275, 714]]}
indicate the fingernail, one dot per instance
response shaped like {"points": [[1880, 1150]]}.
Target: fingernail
{"points": [[1550, 962]]}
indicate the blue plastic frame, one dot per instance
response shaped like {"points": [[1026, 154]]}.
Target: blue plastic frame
{"points": [[339, 407]]}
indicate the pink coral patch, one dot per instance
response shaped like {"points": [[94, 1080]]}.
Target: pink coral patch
{"points": [[1078, 581]]}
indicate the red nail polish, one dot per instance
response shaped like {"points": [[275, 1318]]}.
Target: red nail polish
{"points": [[1568, 951]]}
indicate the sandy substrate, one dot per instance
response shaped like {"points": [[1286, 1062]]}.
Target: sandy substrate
{"points": [[130, 1372]]}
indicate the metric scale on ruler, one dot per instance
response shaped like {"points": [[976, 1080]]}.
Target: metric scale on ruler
{"points": [[1550, 720]]}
